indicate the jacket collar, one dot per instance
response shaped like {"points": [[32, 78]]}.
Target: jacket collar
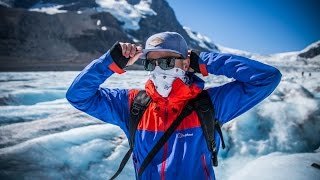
{"points": [[180, 91]]}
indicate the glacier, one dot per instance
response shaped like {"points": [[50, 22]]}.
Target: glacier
{"points": [[48, 8], [43, 137], [129, 14]]}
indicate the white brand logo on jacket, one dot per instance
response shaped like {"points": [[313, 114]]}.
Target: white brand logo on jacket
{"points": [[180, 135]]}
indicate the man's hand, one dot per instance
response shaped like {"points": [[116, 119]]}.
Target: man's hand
{"points": [[125, 54], [131, 51]]}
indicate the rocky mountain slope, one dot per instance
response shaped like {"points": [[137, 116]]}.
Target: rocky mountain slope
{"points": [[68, 34]]}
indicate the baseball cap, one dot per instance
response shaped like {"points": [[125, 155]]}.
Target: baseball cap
{"points": [[166, 41]]}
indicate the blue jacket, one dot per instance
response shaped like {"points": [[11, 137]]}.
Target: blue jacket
{"points": [[185, 155]]}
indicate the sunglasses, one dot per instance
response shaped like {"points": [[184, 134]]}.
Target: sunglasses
{"points": [[164, 63]]}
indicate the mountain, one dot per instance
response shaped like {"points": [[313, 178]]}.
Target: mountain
{"points": [[309, 57], [68, 34], [311, 51]]}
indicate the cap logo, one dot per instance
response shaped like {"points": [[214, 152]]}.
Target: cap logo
{"points": [[155, 41]]}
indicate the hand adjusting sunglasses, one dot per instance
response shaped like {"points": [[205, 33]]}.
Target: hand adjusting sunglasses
{"points": [[165, 63]]}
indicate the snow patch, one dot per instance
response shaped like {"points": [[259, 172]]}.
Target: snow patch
{"points": [[7, 3], [287, 56], [103, 28], [48, 9], [311, 46], [204, 41], [98, 22], [30, 97], [129, 14], [133, 38], [280, 166], [234, 51], [279, 58]]}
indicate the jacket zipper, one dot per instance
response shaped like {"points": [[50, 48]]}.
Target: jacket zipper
{"points": [[165, 148], [166, 115], [206, 171]]}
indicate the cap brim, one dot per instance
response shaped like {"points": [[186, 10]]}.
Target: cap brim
{"points": [[145, 52]]}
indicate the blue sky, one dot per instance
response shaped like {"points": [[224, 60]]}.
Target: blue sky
{"points": [[260, 26]]}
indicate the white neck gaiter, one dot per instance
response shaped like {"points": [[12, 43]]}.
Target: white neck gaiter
{"points": [[163, 79]]}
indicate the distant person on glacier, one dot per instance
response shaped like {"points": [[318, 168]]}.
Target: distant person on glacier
{"points": [[167, 124]]}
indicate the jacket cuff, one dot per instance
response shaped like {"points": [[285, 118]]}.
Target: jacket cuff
{"points": [[196, 63], [194, 60], [115, 68], [118, 58], [203, 69]]}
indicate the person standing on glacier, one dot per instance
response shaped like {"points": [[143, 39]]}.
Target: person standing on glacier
{"points": [[172, 84]]}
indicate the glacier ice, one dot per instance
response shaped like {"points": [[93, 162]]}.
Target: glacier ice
{"points": [[129, 14], [42, 136]]}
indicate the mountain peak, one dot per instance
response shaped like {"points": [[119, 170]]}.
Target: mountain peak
{"points": [[311, 51], [201, 40], [127, 12], [70, 33]]}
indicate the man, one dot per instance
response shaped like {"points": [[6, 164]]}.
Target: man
{"points": [[172, 83]]}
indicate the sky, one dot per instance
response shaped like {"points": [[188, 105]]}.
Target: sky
{"points": [[258, 26]]}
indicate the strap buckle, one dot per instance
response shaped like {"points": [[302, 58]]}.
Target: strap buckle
{"points": [[215, 160], [214, 153], [135, 109]]}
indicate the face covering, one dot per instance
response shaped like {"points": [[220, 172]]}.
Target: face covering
{"points": [[163, 79]]}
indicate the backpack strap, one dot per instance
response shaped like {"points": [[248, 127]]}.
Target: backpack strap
{"points": [[164, 138], [138, 107], [205, 111]]}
